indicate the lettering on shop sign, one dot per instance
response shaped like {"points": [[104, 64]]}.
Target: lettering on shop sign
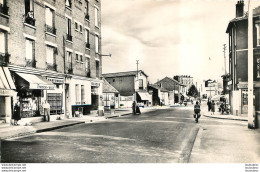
{"points": [[56, 81], [5, 92], [95, 84], [45, 87], [242, 86]]}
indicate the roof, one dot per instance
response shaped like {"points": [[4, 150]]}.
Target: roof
{"points": [[159, 88], [120, 74], [256, 13], [168, 83], [107, 88]]}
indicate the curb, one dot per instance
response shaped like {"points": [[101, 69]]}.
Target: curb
{"points": [[40, 130], [209, 116], [58, 127]]}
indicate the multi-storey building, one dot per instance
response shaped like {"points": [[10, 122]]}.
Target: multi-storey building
{"points": [[132, 86], [186, 81], [53, 52], [237, 31]]}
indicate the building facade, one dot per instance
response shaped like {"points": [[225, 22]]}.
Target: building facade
{"points": [[173, 87], [237, 31], [186, 81], [53, 52], [132, 86]]}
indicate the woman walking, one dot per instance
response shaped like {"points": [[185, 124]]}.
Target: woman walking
{"points": [[16, 115], [209, 105], [212, 107]]}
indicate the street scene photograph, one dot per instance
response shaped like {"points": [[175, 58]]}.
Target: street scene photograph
{"points": [[130, 82]]}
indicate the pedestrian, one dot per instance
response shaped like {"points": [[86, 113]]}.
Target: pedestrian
{"points": [[16, 113], [212, 107], [46, 108], [134, 107], [138, 110], [209, 105]]}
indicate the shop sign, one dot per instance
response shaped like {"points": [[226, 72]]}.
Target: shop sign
{"points": [[55, 80], [241, 86], [5, 92], [42, 87], [95, 84]]}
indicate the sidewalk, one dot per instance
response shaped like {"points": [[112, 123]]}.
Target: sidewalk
{"points": [[218, 115], [8, 131]]}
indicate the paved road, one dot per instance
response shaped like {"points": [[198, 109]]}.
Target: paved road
{"points": [[165, 135]]}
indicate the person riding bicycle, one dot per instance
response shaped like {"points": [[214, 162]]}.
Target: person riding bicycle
{"points": [[197, 108]]}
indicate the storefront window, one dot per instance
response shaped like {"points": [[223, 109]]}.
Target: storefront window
{"points": [[55, 101]]}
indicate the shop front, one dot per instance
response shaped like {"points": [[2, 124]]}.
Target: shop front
{"points": [[144, 99], [7, 94], [31, 93], [56, 97]]}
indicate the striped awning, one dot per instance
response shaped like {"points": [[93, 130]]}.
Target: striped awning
{"points": [[6, 81]]}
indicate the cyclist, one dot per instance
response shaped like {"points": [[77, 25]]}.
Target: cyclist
{"points": [[197, 111]]}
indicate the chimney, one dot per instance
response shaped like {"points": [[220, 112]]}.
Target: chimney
{"points": [[240, 8]]}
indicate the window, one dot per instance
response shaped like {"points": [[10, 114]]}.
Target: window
{"points": [[258, 32], [82, 94], [141, 84], [80, 58], [76, 25], [50, 55], [68, 3], [88, 67], [49, 17], [69, 37], [29, 12], [77, 93], [2, 43], [3, 7], [86, 10], [29, 49], [97, 44], [87, 38], [77, 57], [80, 28], [69, 57], [97, 69], [96, 17]]}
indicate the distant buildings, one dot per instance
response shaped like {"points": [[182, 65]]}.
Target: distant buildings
{"points": [[186, 81]]}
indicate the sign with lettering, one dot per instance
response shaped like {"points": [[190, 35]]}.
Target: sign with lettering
{"points": [[42, 87], [56, 80], [242, 86], [95, 84], [5, 92]]}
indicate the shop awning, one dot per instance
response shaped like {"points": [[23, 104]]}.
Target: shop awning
{"points": [[37, 82], [6, 81], [144, 95]]}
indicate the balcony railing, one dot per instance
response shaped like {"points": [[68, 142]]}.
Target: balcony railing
{"points": [[52, 66], [29, 19], [4, 9], [31, 63], [50, 29], [88, 72], [68, 37], [86, 16], [69, 68], [4, 59], [87, 45]]}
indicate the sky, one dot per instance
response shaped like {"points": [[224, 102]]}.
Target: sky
{"points": [[168, 37]]}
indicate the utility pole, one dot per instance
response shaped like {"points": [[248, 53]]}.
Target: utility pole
{"points": [[137, 77], [251, 115], [224, 50]]}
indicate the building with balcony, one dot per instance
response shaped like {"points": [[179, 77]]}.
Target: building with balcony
{"points": [[53, 53], [237, 31]]}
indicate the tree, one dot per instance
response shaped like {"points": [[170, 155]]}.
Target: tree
{"points": [[193, 91]]}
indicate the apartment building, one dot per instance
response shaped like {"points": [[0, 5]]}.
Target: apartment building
{"points": [[52, 50]]}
